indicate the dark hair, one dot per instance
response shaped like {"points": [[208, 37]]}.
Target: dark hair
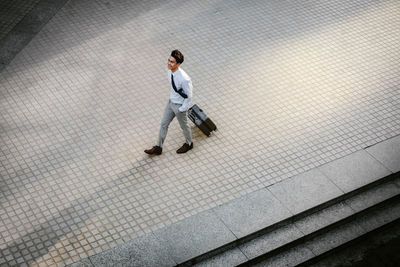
{"points": [[178, 56]]}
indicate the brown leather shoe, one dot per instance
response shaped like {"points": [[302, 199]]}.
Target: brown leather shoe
{"points": [[155, 150], [185, 148]]}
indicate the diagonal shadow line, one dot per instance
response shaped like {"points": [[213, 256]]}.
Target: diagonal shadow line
{"points": [[48, 226], [287, 19], [34, 21], [26, 29], [73, 217]]}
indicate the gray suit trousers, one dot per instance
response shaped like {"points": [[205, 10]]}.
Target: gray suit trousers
{"points": [[171, 110]]}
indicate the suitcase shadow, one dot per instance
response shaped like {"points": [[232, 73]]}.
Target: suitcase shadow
{"points": [[197, 134]]}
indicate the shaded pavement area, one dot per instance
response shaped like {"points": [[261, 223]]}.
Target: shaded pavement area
{"points": [[291, 85]]}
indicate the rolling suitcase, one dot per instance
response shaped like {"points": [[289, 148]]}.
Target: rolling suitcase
{"points": [[200, 119]]}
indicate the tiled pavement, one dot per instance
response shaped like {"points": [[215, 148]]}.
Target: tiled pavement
{"points": [[12, 12], [20, 21], [291, 85]]}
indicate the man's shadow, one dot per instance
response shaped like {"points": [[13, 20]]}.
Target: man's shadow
{"points": [[42, 239]]}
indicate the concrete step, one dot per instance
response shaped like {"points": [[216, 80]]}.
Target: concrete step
{"points": [[377, 248], [331, 237], [313, 232], [280, 219]]}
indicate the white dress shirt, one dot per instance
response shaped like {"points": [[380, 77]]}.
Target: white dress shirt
{"points": [[181, 80]]}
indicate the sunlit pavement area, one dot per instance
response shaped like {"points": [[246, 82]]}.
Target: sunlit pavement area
{"points": [[291, 85]]}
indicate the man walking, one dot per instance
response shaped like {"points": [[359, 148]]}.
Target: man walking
{"points": [[179, 100]]}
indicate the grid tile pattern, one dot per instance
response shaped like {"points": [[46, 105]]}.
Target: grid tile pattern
{"points": [[12, 12], [291, 85]]}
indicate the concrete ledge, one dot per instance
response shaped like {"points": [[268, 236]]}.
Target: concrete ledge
{"points": [[305, 191], [374, 196], [228, 223], [337, 233], [289, 258], [324, 217], [388, 153], [194, 236], [335, 238], [143, 251], [270, 241], [381, 217], [229, 258], [252, 212], [354, 171]]}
